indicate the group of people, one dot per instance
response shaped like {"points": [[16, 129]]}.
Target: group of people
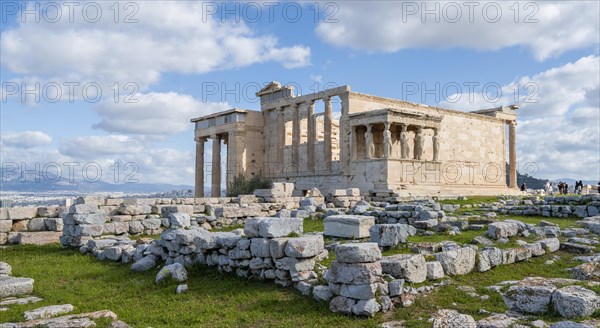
{"points": [[563, 187]]}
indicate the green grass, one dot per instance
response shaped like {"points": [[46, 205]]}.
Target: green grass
{"points": [[471, 200], [313, 225], [563, 223], [214, 299]]}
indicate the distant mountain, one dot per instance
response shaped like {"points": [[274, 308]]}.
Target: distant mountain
{"points": [[33, 182]]}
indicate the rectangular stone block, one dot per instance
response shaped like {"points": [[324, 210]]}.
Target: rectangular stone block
{"points": [[20, 213], [353, 273], [305, 246], [38, 238], [280, 227], [358, 253], [348, 226]]}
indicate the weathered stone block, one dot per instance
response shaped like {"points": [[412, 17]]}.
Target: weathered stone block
{"points": [[354, 273], [389, 235], [11, 286], [348, 226], [305, 246], [457, 262], [357, 253], [411, 267], [575, 301]]}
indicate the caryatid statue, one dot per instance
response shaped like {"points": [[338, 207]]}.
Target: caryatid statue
{"points": [[403, 142], [369, 145], [419, 143], [436, 145], [387, 141]]}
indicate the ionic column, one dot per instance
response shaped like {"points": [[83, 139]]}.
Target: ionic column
{"points": [[310, 143], [387, 141], [436, 144], [328, 133], [280, 139], [296, 137], [369, 145], [199, 181], [512, 154], [216, 166]]}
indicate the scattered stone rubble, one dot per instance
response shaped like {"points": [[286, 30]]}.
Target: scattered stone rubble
{"points": [[360, 280]]}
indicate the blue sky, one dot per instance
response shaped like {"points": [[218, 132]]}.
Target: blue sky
{"points": [[172, 52]]}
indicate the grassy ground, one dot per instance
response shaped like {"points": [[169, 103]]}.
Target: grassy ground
{"points": [[224, 300], [214, 299]]}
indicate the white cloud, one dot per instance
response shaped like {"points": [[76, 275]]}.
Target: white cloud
{"points": [[26, 139], [95, 147], [561, 130], [157, 114], [168, 37], [387, 27]]}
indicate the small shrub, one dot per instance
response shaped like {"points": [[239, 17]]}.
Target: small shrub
{"points": [[243, 186]]}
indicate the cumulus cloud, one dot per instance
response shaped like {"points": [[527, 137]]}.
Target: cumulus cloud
{"points": [[153, 114], [166, 37], [26, 139], [547, 29], [558, 121], [95, 147]]}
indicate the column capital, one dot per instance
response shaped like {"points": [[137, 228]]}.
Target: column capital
{"points": [[215, 136], [513, 122], [200, 139]]}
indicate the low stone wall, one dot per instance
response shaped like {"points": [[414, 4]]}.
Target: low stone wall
{"points": [[554, 206], [134, 216]]}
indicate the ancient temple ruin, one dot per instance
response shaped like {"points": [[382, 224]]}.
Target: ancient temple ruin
{"points": [[368, 142]]}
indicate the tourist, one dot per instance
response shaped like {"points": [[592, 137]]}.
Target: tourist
{"points": [[599, 187], [551, 188], [547, 187], [523, 187], [566, 188]]}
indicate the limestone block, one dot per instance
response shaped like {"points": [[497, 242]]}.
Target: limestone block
{"points": [[366, 307], [425, 224], [534, 299], [166, 210], [5, 269], [489, 257], [502, 229], [19, 225], [536, 249], [452, 319], [322, 293], [92, 230], [136, 227], [54, 224], [277, 247], [84, 209], [341, 304], [305, 246], [357, 253], [389, 235], [575, 301], [36, 224], [458, 261], [4, 214], [151, 223], [294, 264], [434, 270], [38, 238], [5, 226], [11, 286], [48, 311], [353, 192], [395, 287], [146, 263], [20, 213], [411, 267], [348, 226], [267, 227], [175, 271], [260, 247], [179, 219], [49, 211], [354, 273]]}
